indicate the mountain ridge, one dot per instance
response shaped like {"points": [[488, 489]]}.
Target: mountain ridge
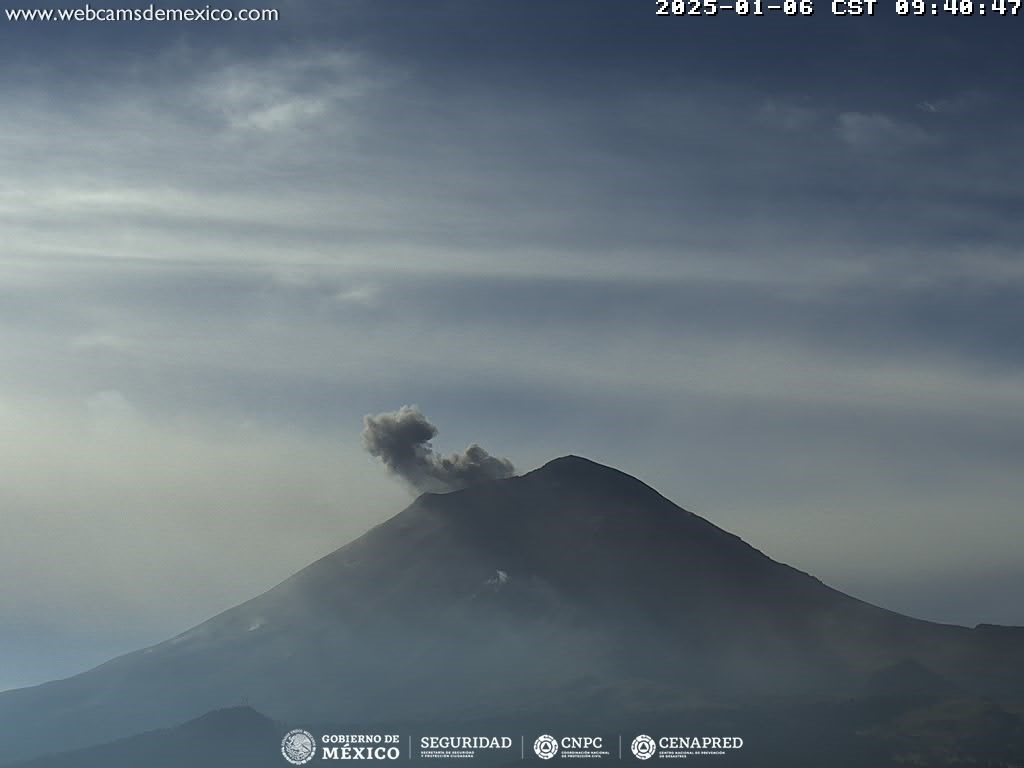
{"points": [[572, 585]]}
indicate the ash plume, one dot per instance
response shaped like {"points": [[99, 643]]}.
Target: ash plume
{"points": [[401, 439]]}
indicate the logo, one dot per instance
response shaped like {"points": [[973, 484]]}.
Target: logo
{"points": [[462, 746], [298, 746], [360, 746], [643, 747], [546, 747], [570, 747]]}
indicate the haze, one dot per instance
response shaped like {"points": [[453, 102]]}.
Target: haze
{"points": [[770, 266]]}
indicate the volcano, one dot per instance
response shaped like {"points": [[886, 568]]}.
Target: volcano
{"points": [[573, 588]]}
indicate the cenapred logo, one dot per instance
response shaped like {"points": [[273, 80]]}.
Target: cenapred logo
{"points": [[643, 747], [546, 747], [298, 746]]}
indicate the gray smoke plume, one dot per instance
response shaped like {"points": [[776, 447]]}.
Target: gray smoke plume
{"points": [[401, 439]]}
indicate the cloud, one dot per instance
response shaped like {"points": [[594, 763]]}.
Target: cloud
{"points": [[401, 439], [961, 103], [871, 131], [358, 295], [274, 225], [285, 93]]}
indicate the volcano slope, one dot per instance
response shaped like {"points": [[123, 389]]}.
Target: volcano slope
{"points": [[573, 588]]}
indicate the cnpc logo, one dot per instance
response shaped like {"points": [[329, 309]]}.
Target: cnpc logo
{"points": [[547, 746]]}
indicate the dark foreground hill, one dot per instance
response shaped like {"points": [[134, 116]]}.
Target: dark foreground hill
{"points": [[237, 736], [574, 588]]}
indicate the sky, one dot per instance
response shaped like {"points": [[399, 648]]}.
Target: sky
{"points": [[770, 265]]}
